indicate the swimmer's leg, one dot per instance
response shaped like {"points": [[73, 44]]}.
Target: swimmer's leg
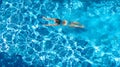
{"points": [[77, 25]]}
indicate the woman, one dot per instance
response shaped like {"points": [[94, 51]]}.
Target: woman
{"points": [[64, 22]]}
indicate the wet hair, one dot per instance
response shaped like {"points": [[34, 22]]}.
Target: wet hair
{"points": [[57, 21]]}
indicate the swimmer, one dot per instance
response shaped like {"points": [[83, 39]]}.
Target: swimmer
{"points": [[64, 23]]}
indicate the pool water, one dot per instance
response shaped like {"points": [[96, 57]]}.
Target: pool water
{"points": [[25, 42]]}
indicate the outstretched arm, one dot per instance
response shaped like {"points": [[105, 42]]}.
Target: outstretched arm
{"points": [[48, 18], [51, 24]]}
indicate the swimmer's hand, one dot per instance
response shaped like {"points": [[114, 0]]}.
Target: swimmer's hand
{"points": [[46, 25], [44, 17]]}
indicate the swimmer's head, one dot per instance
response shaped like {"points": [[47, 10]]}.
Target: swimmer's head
{"points": [[64, 22]]}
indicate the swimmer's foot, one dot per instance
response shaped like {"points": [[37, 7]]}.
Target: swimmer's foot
{"points": [[45, 18], [82, 26]]}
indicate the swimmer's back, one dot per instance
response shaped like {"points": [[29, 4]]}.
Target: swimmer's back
{"points": [[58, 21]]}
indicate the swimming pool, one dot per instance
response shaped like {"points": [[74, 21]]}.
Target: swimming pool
{"points": [[24, 42]]}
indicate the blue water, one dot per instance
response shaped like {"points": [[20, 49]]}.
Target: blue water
{"points": [[24, 42]]}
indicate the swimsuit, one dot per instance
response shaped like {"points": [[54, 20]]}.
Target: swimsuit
{"points": [[58, 21]]}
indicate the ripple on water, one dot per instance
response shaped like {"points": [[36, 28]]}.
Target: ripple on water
{"points": [[116, 53], [26, 20], [88, 52], [3, 55], [2, 28], [66, 63], [23, 35], [30, 51], [36, 46], [12, 9], [69, 53], [23, 10], [50, 4], [27, 3], [7, 60], [86, 64], [75, 63], [8, 35], [15, 19], [39, 38], [58, 48], [20, 37], [38, 62], [22, 47], [39, 18], [48, 45], [72, 44], [42, 31], [12, 26], [6, 14], [0, 2], [82, 43], [31, 35], [36, 6], [1, 41], [25, 27], [3, 58], [33, 20], [62, 52], [107, 60]]}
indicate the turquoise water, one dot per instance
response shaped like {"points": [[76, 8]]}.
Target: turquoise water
{"points": [[24, 42]]}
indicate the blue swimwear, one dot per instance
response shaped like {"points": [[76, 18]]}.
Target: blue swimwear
{"points": [[58, 21]]}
